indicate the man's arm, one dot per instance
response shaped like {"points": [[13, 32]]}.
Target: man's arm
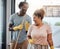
{"points": [[11, 24], [11, 27], [27, 24]]}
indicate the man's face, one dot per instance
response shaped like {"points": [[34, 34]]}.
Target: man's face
{"points": [[24, 8]]}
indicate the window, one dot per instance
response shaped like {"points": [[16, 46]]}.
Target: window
{"points": [[52, 11], [2, 24]]}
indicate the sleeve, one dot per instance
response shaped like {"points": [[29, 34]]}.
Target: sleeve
{"points": [[11, 23], [29, 31], [49, 30], [30, 20], [11, 20]]}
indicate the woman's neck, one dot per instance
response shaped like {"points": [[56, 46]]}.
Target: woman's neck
{"points": [[39, 25]]}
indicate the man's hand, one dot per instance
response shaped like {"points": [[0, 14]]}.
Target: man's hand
{"points": [[26, 25], [20, 27], [15, 28]]}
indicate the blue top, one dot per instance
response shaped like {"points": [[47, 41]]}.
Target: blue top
{"points": [[17, 20]]}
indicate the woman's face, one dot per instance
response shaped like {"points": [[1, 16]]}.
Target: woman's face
{"points": [[36, 19]]}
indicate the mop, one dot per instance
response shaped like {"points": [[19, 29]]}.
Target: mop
{"points": [[19, 34]]}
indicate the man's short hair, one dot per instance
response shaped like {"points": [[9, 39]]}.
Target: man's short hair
{"points": [[22, 3]]}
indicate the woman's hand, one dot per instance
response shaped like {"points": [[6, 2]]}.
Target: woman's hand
{"points": [[31, 41], [52, 47]]}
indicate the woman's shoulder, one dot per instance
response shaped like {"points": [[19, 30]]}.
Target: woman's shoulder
{"points": [[47, 26], [32, 25]]}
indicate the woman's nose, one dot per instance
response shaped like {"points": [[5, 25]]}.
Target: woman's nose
{"points": [[33, 19]]}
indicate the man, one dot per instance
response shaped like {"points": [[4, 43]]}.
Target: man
{"points": [[20, 22]]}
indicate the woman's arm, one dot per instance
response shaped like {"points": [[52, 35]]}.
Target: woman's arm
{"points": [[50, 41], [29, 32], [49, 37]]}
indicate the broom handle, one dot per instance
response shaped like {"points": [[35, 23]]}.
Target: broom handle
{"points": [[19, 34], [17, 40]]}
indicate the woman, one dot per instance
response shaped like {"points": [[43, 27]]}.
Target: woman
{"points": [[39, 34]]}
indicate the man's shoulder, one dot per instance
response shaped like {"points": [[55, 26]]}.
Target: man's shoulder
{"points": [[28, 16], [14, 14]]}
